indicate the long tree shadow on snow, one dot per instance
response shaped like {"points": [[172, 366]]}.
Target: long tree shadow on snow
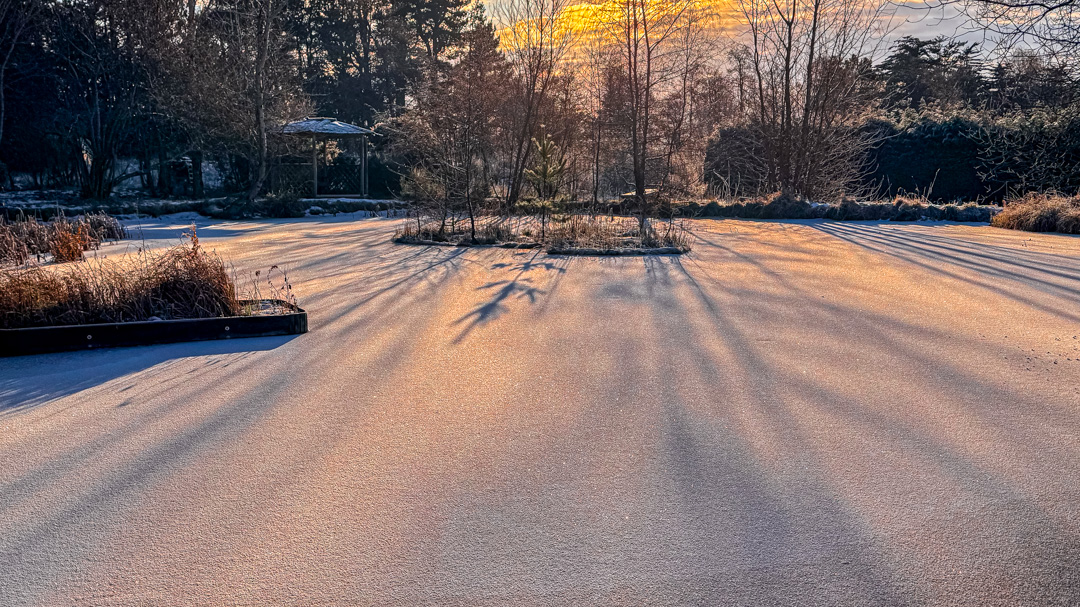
{"points": [[29, 381], [1002, 270], [521, 286]]}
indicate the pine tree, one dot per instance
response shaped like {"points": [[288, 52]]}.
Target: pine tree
{"points": [[546, 177]]}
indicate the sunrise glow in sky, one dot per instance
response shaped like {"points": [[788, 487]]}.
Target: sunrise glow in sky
{"points": [[911, 18]]}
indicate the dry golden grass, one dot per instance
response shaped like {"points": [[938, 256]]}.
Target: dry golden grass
{"points": [[64, 239], [13, 251], [607, 233], [182, 282], [1041, 213]]}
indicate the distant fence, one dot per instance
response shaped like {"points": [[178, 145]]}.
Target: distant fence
{"points": [[341, 177]]}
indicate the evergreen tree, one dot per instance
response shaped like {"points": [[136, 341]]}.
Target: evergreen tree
{"points": [[936, 70]]}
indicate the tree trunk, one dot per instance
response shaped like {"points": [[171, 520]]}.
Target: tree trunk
{"points": [[365, 64], [196, 173], [521, 153], [596, 163], [262, 51], [164, 181], [3, 100]]}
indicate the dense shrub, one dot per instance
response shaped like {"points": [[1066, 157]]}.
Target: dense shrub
{"points": [[785, 206], [977, 155], [229, 208], [731, 165], [68, 241], [905, 209], [239, 207], [1041, 213], [936, 157], [782, 206], [960, 212], [852, 210], [349, 206], [1031, 151], [940, 154], [284, 205]]}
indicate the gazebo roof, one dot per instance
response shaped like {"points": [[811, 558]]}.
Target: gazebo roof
{"points": [[325, 127]]}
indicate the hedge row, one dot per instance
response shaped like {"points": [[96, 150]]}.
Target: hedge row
{"points": [[781, 206]]}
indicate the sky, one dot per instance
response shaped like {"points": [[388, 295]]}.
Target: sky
{"points": [[910, 18]]}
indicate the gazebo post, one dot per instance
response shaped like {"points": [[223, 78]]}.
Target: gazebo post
{"points": [[314, 167], [363, 167]]}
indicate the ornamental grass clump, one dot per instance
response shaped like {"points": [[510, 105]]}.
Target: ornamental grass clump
{"points": [[182, 282], [1041, 213], [13, 251], [62, 238]]}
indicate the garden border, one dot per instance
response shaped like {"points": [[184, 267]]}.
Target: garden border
{"points": [[581, 251], [64, 338], [587, 251], [469, 245]]}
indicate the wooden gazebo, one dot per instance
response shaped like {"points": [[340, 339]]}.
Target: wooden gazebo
{"points": [[322, 129]]}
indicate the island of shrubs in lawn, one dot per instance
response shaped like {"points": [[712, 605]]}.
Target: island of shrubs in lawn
{"points": [[564, 234]]}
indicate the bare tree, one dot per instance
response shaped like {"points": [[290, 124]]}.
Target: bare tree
{"points": [[102, 89], [810, 67], [535, 39], [646, 32], [235, 80], [684, 126], [16, 17], [596, 64], [1052, 25], [450, 131]]}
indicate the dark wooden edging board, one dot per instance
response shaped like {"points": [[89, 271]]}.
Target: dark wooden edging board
{"points": [[499, 245], [625, 251], [554, 251], [40, 340]]}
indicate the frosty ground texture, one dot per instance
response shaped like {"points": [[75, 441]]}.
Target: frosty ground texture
{"points": [[808, 413]]}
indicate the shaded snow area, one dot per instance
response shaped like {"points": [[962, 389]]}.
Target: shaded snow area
{"points": [[807, 413]]}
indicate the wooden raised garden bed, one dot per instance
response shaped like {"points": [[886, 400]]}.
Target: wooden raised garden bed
{"points": [[40, 340]]}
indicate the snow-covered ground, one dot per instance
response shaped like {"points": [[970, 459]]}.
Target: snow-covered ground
{"points": [[796, 413]]}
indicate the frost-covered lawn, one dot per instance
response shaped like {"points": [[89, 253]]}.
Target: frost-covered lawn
{"points": [[807, 413]]}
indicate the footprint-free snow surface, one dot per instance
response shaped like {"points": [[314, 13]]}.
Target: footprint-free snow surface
{"points": [[796, 413]]}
